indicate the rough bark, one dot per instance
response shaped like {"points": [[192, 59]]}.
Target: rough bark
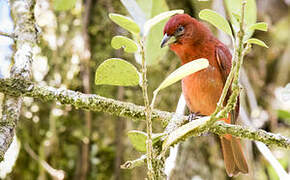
{"points": [[25, 34]]}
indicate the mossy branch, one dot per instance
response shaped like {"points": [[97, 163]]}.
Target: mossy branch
{"points": [[92, 102]]}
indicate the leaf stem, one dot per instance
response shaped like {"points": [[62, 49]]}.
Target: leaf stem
{"points": [[10, 35]]}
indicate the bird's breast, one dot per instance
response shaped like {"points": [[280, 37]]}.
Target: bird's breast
{"points": [[202, 90]]}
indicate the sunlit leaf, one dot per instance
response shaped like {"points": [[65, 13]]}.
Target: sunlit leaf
{"points": [[259, 26], [123, 42], [216, 19], [146, 7], [153, 52], [117, 72], [155, 20], [138, 140], [237, 16], [256, 41], [183, 71], [63, 5], [157, 137], [125, 22], [250, 12], [135, 11], [181, 132]]}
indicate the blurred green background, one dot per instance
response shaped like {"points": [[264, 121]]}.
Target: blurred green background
{"points": [[90, 145]]}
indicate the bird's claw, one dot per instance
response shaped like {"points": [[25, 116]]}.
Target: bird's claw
{"points": [[193, 116]]}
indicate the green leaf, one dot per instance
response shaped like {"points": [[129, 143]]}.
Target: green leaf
{"points": [[157, 19], [237, 16], [259, 26], [256, 41], [152, 8], [135, 11], [123, 42], [153, 52], [63, 5], [284, 114], [125, 22], [183, 71], [117, 72], [250, 12], [234, 7], [157, 137], [181, 132], [138, 140], [146, 7], [216, 19]]}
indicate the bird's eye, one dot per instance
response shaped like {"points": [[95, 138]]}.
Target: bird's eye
{"points": [[179, 31]]}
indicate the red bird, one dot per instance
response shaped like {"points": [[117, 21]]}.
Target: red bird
{"points": [[191, 40]]}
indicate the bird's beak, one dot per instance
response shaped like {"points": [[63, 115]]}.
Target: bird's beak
{"points": [[167, 40]]}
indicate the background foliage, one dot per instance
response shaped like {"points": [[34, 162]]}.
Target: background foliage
{"points": [[59, 134]]}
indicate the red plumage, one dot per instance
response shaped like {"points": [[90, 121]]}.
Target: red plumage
{"points": [[203, 89]]}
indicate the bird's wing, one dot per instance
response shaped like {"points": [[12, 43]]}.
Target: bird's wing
{"points": [[224, 60]]}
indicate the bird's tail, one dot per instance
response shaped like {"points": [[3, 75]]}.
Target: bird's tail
{"points": [[234, 158]]}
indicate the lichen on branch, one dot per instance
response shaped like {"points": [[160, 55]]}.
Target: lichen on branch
{"points": [[92, 102]]}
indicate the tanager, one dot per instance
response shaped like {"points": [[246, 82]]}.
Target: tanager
{"points": [[190, 40]]}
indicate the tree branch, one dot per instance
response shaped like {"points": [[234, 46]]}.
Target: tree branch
{"points": [[268, 138], [92, 102], [22, 11]]}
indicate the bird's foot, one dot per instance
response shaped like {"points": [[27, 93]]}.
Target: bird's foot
{"points": [[194, 116]]}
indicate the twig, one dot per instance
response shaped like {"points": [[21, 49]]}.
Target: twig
{"points": [[58, 174], [148, 112]]}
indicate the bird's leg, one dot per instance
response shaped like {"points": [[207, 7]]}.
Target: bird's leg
{"points": [[193, 116]]}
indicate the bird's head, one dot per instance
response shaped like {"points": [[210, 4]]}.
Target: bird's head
{"points": [[182, 29]]}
